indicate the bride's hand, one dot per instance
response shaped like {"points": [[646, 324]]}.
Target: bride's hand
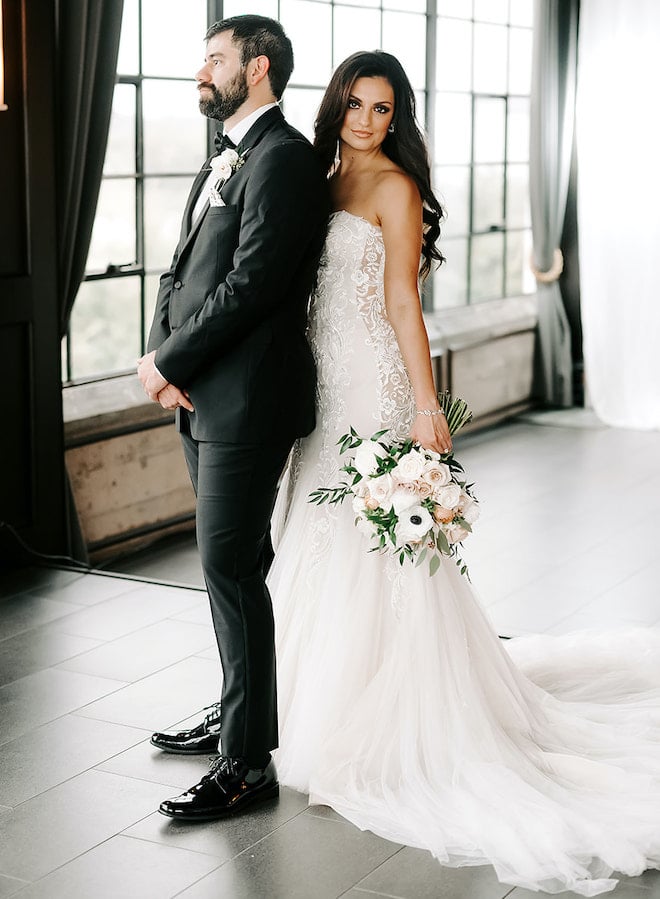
{"points": [[432, 433]]}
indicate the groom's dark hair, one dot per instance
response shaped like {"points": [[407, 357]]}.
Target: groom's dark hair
{"points": [[260, 36]]}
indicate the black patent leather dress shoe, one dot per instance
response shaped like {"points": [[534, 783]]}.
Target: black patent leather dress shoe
{"points": [[228, 787], [202, 739]]}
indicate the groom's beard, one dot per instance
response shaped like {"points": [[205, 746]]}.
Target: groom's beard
{"points": [[223, 104]]}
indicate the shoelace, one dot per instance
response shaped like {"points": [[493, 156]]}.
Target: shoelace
{"points": [[213, 712], [222, 764]]}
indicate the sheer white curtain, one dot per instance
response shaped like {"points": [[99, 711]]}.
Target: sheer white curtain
{"points": [[618, 140]]}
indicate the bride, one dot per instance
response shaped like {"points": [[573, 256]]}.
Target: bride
{"points": [[399, 705]]}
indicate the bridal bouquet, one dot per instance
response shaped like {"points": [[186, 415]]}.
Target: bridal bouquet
{"points": [[410, 501]]}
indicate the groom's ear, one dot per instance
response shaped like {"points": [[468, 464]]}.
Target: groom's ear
{"points": [[257, 69]]}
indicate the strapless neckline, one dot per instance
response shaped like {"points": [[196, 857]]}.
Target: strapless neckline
{"points": [[358, 218]]}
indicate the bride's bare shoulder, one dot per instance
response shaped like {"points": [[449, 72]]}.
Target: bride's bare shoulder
{"points": [[396, 192]]}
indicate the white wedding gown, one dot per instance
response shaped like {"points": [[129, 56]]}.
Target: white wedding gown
{"points": [[399, 705]]}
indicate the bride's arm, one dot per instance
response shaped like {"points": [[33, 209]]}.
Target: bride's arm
{"points": [[400, 214]]}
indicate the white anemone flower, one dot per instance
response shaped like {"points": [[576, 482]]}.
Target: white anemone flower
{"points": [[413, 525]]}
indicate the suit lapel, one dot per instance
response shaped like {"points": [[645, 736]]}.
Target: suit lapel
{"points": [[249, 142], [197, 184]]}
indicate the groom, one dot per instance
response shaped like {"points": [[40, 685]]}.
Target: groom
{"points": [[227, 350]]}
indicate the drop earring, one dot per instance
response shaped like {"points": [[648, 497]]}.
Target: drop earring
{"points": [[391, 128], [336, 162]]}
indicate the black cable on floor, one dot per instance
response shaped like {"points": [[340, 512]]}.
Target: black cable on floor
{"points": [[39, 555]]}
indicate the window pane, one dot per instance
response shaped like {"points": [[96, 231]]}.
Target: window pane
{"points": [[258, 7], [173, 37], [355, 29], [517, 197], [522, 12], [407, 5], [520, 60], [453, 190], [488, 197], [313, 58], [450, 280], [491, 11], [453, 128], [460, 9], [373, 3], [174, 128], [489, 129], [301, 108], [454, 55], [519, 278], [490, 59], [120, 152], [113, 237], [105, 327], [151, 283], [128, 60], [405, 36], [486, 266], [518, 133], [164, 199]]}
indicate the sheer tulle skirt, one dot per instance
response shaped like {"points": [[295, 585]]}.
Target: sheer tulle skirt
{"points": [[402, 709]]}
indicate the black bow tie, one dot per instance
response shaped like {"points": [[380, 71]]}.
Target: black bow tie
{"points": [[223, 142]]}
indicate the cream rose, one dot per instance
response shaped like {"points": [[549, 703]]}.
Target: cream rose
{"points": [[423, 489], [448, 496], [410, 467], [359, 505], [437, 474], [366, 457], [443, 515], [381, 489], [455, 533], [469, 508], [403, 498]]}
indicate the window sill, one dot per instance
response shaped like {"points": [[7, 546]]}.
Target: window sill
{"points": [[108, 408], [116, 406]]}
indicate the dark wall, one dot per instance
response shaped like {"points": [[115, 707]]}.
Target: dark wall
{"points": [[32, 487]]}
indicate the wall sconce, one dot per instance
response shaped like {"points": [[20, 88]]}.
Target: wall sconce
{"points": [[3, 105]]}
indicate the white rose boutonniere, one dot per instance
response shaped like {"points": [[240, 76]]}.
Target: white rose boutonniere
{"points": [[224, 165]]}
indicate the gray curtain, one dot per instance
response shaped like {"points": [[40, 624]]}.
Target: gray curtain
{"points": [[87, 43], [88, 34], [554, 72]]}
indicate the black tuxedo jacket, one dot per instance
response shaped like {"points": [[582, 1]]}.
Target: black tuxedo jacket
{"points": [[231, 311]]}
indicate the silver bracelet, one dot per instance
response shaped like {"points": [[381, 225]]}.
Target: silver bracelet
{"points": [[430, 411]]}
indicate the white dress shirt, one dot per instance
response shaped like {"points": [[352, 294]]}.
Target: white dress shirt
{"points": [[236, 134]]}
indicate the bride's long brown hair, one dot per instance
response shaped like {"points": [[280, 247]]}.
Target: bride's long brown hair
{"points": [[405, 146]]}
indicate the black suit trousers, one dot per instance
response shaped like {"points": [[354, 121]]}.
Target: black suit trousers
{"points": [[236, 486]]}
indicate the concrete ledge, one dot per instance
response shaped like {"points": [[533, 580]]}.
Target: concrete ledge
{"points": [[103, 409], [465, 326]]}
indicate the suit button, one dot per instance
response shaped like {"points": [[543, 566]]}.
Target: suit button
{"points": [[177, 285]]}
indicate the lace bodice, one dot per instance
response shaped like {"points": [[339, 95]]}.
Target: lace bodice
{"points": [[362, 380]]}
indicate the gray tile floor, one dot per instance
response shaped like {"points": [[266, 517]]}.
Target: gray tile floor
{"points": [[91, 663]]}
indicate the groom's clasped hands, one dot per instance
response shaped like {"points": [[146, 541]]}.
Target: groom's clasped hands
{"points": [[157, 388]]}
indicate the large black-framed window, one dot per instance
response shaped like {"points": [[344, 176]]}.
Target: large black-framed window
{"points": [[481, 148], [470, 64]]}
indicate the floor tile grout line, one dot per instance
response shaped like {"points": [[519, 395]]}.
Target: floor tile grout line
{"points": [[378, 866], [130, 683], [130, 836], [86, 771], [192, 655], [98, 605], [366, 892]]}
